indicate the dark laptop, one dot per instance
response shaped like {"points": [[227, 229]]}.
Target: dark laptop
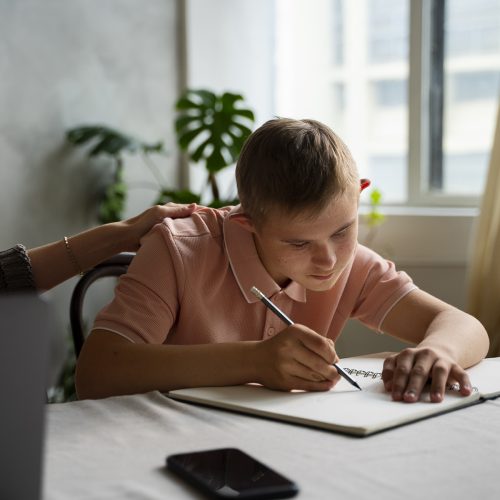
{"points": [[25, 326]]}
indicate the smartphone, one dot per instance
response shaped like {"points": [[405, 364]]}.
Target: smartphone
{"points": [[230, 473]]}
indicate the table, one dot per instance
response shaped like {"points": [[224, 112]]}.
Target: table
{"points": [[115, 449]]}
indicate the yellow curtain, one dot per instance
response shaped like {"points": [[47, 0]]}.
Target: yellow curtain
{"points": [[484, 277]]}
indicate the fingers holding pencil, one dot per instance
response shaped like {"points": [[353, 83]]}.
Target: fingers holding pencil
{"points": [[289, 321], [295, 359]]}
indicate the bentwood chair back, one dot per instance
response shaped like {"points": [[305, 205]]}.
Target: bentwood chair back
{"points": [[115, 266]]}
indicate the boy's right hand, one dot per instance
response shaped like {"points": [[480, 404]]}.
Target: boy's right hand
{"points": [[297, 358]]}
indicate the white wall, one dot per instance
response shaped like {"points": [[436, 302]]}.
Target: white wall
{"points": [[64, 64]]}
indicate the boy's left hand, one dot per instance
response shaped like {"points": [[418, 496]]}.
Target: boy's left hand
{"points": [[405, 374]]}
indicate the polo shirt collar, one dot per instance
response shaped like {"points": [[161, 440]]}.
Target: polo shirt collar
{"points": [[247, 266]]}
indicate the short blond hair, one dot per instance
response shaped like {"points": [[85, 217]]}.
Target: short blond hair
{"points": [[295, 166]]}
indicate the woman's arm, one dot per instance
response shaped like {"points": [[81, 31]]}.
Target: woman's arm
{"points": [[54, 263]]}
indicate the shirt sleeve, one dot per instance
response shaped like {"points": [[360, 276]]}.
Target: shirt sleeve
{"points": [[380, 287], [15, 270], [145, 305]]}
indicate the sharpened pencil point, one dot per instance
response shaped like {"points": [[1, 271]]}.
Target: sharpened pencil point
{"points": [[344, 374]]}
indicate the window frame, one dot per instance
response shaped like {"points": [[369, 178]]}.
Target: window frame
{"points": [[423, 148], [425, 151]]}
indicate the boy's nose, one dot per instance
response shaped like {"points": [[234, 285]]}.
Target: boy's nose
{"points": [[324, 257]]}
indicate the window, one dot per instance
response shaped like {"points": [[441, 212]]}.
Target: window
{"points": [[387, 30], [411, 86], [471, 89]]}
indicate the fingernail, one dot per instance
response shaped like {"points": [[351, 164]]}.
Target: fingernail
{"points": [[411, 394], [436, 396]]}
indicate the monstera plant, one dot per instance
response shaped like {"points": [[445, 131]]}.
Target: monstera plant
{"points": [[210, 128]]}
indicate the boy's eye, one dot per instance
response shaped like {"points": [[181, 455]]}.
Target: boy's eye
{"points": [[341, 233], [298, 244]]}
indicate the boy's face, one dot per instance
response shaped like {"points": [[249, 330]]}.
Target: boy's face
{"points": [[311, 251]]}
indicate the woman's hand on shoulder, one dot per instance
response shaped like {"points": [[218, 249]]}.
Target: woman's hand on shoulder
{"points": [[139, 225]]}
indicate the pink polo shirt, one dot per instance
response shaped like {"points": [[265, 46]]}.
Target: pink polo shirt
{"points": [[191, 278]]}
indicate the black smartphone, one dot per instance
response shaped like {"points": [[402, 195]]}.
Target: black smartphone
{"points": [[230, 473]]}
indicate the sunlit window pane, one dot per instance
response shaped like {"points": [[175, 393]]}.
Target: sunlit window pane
{"points": [[387, 30], [472, 27], [394, 172], [369, 91], [471, 90], [347, 63], [338, 32]]}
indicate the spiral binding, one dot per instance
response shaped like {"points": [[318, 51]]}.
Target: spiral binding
{"points": [[374, 375], [363, 373]]}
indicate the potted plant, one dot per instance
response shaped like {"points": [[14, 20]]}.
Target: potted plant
{"points": [[210, 128]]}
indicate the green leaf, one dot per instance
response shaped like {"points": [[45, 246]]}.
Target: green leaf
{"points": [[376, 197], [228, 100], [110, 144], [185, 103], [177, 196], [112, 206], [224, 203], [216, 161], [245, 131], [186, 121], [106, 140], [245, 112], [217, 117], [81, 135], [207, 97], [158, 147], [186, 138], [198, 152]]}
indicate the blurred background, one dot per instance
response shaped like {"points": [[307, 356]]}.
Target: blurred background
{"points": [[411, 86]]}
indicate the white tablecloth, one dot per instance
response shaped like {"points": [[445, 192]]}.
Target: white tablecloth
{"points": [[116, 448]]}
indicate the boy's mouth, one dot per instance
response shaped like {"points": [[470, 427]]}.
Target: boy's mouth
{"points": [[323, 277]]}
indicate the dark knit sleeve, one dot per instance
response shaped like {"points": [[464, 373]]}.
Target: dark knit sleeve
{"points": [[15, 270]]}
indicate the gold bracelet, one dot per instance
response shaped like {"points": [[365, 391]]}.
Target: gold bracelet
{"points": [[72, 257]]}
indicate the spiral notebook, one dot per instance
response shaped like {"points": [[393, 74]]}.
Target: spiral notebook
{"points": [[345, 409]]}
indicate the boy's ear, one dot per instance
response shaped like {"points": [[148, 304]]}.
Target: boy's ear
{"points": [[244, 221], [364, 183]]}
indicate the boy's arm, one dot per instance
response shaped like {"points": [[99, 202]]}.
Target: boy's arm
{"points": [[447, 341], [296, 358], [111, 365]]}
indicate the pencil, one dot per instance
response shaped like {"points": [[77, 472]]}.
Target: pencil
{"points": [[276, 310]]}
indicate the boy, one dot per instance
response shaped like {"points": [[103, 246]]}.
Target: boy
{"points": [[184, 315]]}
